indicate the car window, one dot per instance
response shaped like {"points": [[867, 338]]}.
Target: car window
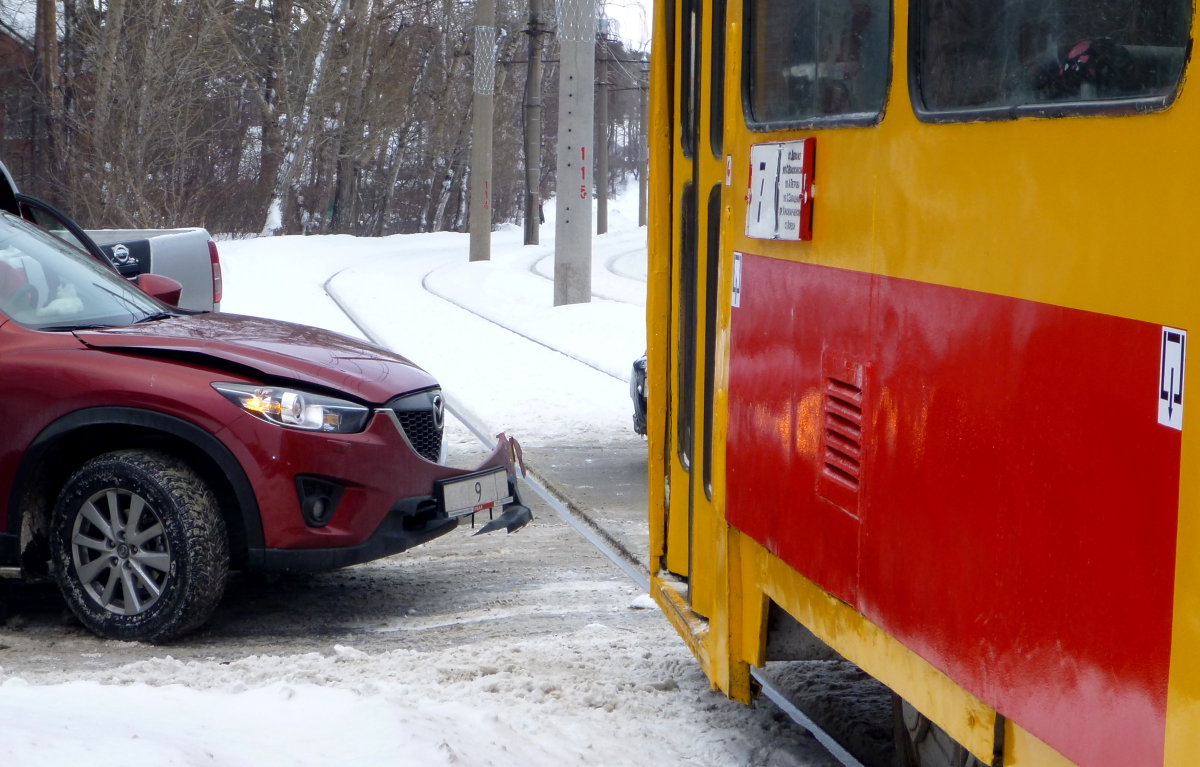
{"points": [[50, 222], [47, 284]]}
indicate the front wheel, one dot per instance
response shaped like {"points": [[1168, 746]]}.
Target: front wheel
{"points": [[139, 546]]}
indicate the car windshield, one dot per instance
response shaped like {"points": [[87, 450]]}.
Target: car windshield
{"points": [[47, 284]]}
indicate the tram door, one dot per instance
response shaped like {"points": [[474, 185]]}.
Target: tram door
{"points": [[698, 175]]}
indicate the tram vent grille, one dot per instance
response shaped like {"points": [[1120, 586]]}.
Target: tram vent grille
{"points": [[842, 438]]}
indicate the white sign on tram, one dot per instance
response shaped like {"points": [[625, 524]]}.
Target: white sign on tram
{"points": [[779, 200]]}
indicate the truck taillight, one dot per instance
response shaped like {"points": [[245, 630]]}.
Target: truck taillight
{"points": [[215, 257]]}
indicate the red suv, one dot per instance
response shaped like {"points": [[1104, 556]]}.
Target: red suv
{"points": [[147, 451]]}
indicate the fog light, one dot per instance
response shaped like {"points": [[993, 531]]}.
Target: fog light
{"points": [[319, 499]]}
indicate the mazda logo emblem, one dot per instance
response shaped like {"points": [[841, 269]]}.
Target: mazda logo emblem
{"points": [[439, 410]]}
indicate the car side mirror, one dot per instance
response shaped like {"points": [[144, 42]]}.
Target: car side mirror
{"points": [[158, 286]]}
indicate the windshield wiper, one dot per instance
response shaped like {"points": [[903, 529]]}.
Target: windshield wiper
{"points": [[59, 328], [156, 317]]}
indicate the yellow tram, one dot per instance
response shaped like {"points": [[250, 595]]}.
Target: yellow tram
{"points": [[921, 280]]}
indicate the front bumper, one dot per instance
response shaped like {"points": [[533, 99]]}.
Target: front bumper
{"points": [[637, 393], [410, 522], [387, 498], [405, 526]]}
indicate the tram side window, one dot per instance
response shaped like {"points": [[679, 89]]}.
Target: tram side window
{"points": [[817, 61], [1049, 55]]}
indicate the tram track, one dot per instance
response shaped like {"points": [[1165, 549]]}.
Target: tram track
{"points": [[608, 545], [633, 569], [528, 337], [591, 532], [611, 268]]}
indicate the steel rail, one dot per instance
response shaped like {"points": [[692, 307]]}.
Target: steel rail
{"points": [[773, 693], [631, 569], [581, 527], [777, 697]]}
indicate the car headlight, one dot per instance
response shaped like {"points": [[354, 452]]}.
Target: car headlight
{"points": [[297, 409]]}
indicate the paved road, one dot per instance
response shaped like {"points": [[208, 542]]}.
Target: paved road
{"points": [[607, 489]]}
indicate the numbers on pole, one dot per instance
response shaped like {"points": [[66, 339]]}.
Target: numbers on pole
{"points": [[583, 188]]}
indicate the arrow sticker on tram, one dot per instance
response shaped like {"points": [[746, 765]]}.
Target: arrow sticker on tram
{"points": [[737, 280], [1170, 377], [761, 215]]}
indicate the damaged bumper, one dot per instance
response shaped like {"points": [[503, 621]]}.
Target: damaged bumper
{"points": [[491, 489]]}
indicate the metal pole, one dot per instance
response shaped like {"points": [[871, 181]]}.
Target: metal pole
{"points": [[480, 217], [602, 137], [643, 152], [576, 76], [533, 126]]}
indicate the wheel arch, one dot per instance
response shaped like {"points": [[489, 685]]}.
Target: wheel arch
{"points": [[66, 443]]}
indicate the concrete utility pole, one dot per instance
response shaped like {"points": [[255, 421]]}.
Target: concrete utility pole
{"points": [[482, 111], [533, 126], [602, 131], [643, 150], [576, 74]]}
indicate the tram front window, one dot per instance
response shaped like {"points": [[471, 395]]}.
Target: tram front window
{"points": [[818, 60], [983, 54]]}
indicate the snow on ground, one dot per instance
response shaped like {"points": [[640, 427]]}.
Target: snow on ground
{"points": [[538, 702], [595, 696], [488, 331]]}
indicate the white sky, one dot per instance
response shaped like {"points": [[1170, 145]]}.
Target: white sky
{"points": [[634, 18], [20, 15]]}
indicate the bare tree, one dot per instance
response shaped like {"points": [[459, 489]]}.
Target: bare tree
{"points": [[299, 135], [337, 115]]}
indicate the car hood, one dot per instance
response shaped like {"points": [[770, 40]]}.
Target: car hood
{"points": [[274, 349]]}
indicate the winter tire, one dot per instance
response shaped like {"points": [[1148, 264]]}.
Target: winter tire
{"points": [[139, 546]]}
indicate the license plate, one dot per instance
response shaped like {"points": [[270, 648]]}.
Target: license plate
{"points": [[476, 492]]}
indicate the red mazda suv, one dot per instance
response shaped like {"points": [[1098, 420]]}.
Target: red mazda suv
{"points": [[147, 450]]}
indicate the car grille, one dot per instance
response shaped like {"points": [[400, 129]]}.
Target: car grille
{"points": [[425, 436], [421, 417]]}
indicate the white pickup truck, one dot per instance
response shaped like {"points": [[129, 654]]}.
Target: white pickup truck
{"points": [[188, 256]]}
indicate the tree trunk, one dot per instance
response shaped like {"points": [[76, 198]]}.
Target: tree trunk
{"points": [[533, 125], [300, 136], [344, 218], [47, 136]]}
